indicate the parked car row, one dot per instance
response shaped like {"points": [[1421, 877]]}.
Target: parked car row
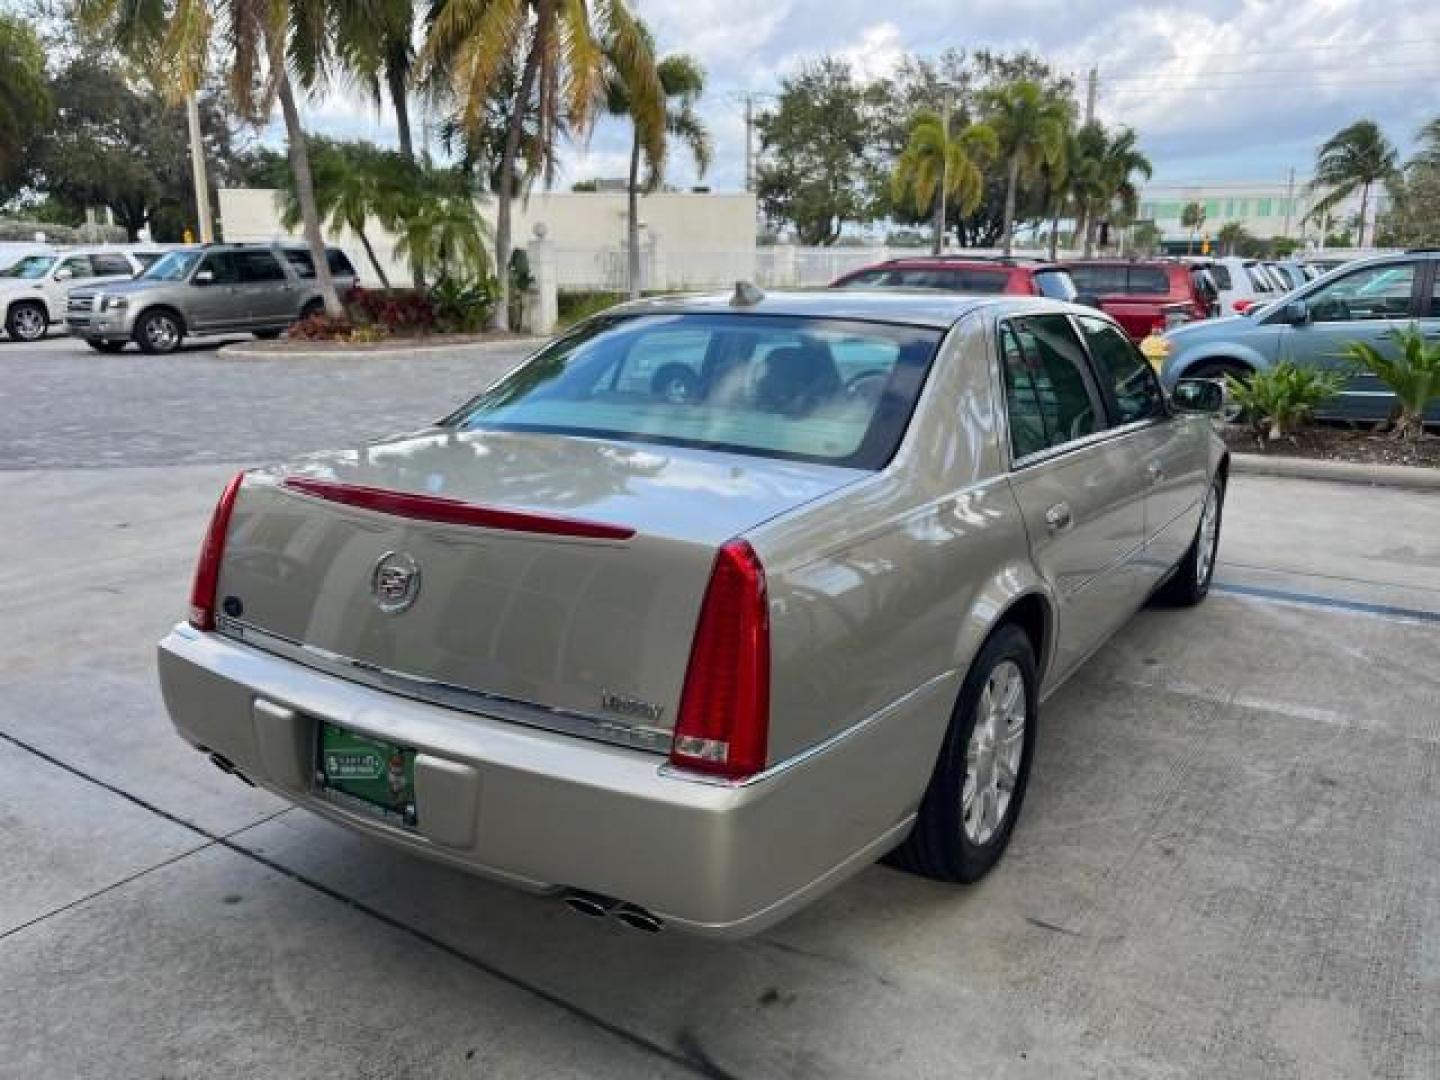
{"points": [[156, 298], [1366, 300]]}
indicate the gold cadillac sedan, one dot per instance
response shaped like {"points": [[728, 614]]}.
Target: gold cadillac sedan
{"points": [[711, 603]]}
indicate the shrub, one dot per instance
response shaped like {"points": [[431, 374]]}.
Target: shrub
{"points": [[399, 311], [581, 304], [463, 307], [322, 327], [1284, 397], [1413, 376]]}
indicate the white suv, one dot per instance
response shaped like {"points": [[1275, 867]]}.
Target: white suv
{"points": [[1243, 283], [33, 289]]}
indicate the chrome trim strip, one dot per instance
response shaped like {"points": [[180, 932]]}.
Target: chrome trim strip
{"points": [[813, 750], [566, 722]]}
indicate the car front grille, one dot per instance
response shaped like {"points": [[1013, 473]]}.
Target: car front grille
{"points": [[81, 302]]}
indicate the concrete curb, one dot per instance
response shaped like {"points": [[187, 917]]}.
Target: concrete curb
{"points": [[1344, 472], [248, 350]]}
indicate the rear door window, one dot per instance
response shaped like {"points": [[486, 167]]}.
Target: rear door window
{"points": [[1099, 279], [111, 265], [304, 265], [1375, 292], [1149, 281], [1221, 274], [339, 263], [1119, 364], [1064, 392], [74, 267], [258, 267], [222, 265]]}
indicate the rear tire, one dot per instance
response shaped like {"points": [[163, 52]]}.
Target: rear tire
{"points": [[158, 332], [313, 308], [974, 798], [105, 346], [267, 335], [27, 321], [1190, 583]]}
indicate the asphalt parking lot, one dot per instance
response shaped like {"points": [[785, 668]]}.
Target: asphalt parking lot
{"points": [[1226, 866]]}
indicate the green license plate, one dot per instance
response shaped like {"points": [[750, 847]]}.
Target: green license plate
{"points": [[367, 775]]}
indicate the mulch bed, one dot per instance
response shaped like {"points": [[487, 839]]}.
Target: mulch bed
{"points": [[1337, 444], [389, 344]]}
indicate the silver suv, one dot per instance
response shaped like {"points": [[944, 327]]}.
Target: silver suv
{"points": [[216, 289]]}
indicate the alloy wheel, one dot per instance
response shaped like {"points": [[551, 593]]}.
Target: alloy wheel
{"points": [[1209, 538], [994, 752], [162, 332], [28, 323]]}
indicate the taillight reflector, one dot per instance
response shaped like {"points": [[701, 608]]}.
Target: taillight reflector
{"points": [[207, 570], [724, 722], [453, 511]]}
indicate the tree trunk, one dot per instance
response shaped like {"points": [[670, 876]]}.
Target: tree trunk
{"points": [[937, 239], [1364, 202], [305, 195], [632, 215], [1055, 231], [500, 320], [1010, 187], [395, 80], [370, 252]]}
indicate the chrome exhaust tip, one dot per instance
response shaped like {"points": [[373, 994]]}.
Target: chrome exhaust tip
{"points": [[637, 918], [589, 904]]}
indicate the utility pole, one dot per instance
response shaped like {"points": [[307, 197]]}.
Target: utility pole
{"points": [[1093, 85], [1289, 201], [197, 169], [749, 151], [944, 172]]}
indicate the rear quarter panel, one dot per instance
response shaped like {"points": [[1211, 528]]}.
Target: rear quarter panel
{"points": [[881, 593]]}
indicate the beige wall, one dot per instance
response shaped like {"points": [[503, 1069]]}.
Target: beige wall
{"points": [[576, 223]]}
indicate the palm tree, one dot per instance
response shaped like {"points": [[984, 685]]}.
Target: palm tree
{"points": [[564, 45], [937, 166], [1119, 162], [682, 81], [375, 41], [1355, 157], [1231, 235], [1192, 218], [353, 185], [1030, 125], [1087, 151], [261, 40], [1428, 155], [445, 229]]}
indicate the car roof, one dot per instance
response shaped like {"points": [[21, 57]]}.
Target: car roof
{"points": [[916, 307]]}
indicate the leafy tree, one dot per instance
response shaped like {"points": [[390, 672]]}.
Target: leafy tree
{"points": [[24, 99], [1356, 157], [682, 81], [1145, 238], [1192, 217], [1118, 161], [117, 144], [440, 227], [1413, 217], [1030, 125], [565, 47], [938, 167], [817, 173], [260, 44]]}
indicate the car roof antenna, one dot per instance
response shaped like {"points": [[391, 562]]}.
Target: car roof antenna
{"points": [[746, 295]]}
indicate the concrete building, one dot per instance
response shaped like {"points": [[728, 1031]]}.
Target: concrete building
{"points": [[1267, 209]]}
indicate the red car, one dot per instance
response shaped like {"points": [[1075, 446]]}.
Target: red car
{"points": [[1147, 296], [972, 275]]}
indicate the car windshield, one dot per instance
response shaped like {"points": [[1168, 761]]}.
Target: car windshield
{"points": [[174, 266], [810, 389], [29, 268]]}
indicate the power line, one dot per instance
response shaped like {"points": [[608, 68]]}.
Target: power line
{"points": [[1413, 80], [1428, 65], [1394, 43]]}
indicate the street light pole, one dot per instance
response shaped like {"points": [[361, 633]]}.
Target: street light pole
{"points": [[197, 169], [944, 172]]}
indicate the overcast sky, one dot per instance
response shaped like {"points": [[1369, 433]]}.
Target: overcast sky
{"points": [[1218, 89]]}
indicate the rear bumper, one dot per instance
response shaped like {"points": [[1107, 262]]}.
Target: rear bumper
{"points": [[546, 811]]}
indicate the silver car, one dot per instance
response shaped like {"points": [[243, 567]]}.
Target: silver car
{"points": [[709, 605]]}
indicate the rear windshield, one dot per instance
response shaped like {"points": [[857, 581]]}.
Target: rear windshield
{"points": [[949, 279], [825, 390], [1056, 284]]}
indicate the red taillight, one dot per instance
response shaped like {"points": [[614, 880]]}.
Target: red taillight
{"points": [[207, 570], [1243, 306], [724, 722]]}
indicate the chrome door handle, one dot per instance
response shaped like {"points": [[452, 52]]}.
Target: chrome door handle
{"points": [[1155, 471], [1058, 517]]}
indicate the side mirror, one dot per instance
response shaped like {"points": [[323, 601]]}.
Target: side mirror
{"points": [[1089, 300], [64, 274], [1297, 313], [1198, 396], [205, 277]]}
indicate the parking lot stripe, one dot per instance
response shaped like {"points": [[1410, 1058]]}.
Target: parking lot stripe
{"points": [[700, 1067], [1334, 602]]}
